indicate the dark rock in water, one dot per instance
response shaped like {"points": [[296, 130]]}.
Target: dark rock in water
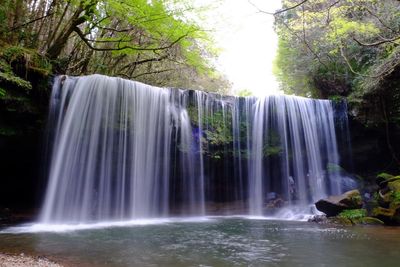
{"points": [[333, 205]]}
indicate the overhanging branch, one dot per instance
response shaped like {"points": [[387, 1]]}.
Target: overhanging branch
{"points": [[280, 10], [126, 47]]}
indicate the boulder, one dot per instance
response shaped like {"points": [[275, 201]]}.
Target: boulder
{"points": [[382, 178], [334, 205], [383, 214]]}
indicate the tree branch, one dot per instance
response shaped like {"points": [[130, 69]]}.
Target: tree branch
{"points": [[126, 47], [306, 43], [380, 20], [378, 76], [31, 21], [328, 19], [377, 43], [278, 11], [152, 72], [135, 63]]}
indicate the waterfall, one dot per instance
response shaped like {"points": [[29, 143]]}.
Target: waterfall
{"points": [[124, 150]]}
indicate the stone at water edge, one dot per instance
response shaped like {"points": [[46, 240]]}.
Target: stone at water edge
{"points": [[388, 198], [333, 205]]}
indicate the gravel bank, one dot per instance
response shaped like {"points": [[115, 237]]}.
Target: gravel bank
{"points": [[24, 260]]}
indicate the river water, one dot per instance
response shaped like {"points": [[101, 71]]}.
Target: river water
{"points": [[213, 241]]}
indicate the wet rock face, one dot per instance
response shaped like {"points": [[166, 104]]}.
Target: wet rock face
{"points": [[334, 205]]}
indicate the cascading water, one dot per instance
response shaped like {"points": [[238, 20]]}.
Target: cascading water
{"points": [[125, 150]]}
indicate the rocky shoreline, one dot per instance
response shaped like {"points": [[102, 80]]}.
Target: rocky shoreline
{"points": [[22, 260], [378, 207]]}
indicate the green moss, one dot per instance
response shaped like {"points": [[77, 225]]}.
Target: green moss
{"points": [[15, 80], [394, 200], [353, 214], [394, 184], [382, 212], [384, 176], [29, 57], [29, 60]]}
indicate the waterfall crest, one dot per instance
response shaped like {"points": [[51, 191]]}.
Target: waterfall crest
{"points": [[124, 150]]}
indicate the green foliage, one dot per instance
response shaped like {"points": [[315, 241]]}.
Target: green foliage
{"points": [[30, 58], [353, 214], [335, 48], [217, 127], [15, 80], [336, 98], [244, 93], [25, 61], [157, 42], [2, 92]]}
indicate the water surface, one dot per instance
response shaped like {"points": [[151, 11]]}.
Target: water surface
{"points": [[213, 242]]}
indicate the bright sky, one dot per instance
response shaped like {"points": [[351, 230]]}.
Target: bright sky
{"points": [[248, 43]]}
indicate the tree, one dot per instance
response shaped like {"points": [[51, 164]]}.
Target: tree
{"points": [[344, 48], [337, 47], [134, 39]]}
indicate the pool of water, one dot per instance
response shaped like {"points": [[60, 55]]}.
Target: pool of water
{"points": [[204, 242]]}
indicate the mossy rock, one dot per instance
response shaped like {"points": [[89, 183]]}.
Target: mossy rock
{"points": [[368, 221], [334, 205], [384, 199], [394, 184], [384, 176], [384, 179], [352, 199], [385, 215], [340, 221], [377, 212]]}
